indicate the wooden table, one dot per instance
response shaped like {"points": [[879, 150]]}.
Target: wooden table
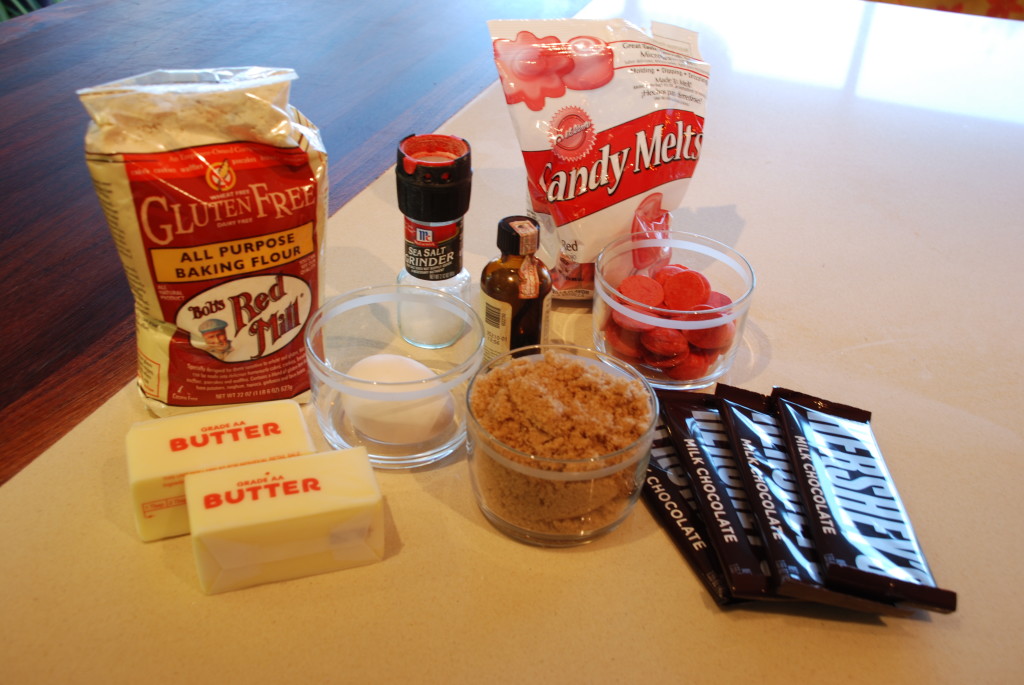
{"points": [[369, 74]]}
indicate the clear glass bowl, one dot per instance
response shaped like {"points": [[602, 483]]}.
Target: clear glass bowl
{"points": [[372, 387], [570, 491], [675, 348]]}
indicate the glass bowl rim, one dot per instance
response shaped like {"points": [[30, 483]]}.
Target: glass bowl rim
{"points": [[666, 239], [392, 293]]}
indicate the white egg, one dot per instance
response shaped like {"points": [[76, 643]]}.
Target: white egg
{"points": [[394, 420]]}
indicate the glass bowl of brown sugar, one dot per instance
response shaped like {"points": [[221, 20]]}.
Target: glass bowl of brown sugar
{"points": [[558, 440]]}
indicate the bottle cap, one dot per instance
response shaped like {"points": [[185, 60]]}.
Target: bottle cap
{"points": [[434, 175], [518, 235]]}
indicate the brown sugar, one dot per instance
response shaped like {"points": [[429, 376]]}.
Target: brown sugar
{"points": [[575, 463]]}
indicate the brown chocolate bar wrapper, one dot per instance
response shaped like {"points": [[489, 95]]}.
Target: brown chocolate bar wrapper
{"points": [[860, 527], [695, 427], [771, 485], [669, 496]]}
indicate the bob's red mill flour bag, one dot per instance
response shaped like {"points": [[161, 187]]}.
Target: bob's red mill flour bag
{"points": [[215, 189]]}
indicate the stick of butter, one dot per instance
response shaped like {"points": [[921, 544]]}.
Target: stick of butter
{"points": [[297, 517], [162, 451]]}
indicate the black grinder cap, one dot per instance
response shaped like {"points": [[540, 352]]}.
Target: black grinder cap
{"points": [[434, 174]]}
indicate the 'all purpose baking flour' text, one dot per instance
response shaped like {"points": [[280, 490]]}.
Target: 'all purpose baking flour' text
{"points": [[215, 190], [610, 121]]}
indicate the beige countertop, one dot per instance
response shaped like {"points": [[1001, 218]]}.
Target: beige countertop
{"points": [[878, 201]]}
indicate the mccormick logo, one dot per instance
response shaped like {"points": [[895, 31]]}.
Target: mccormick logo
{"points": [[571, 133]]}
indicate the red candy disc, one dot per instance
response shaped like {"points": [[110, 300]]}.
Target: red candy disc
{"points": [[628, 322], [622, 341], [667, 342], [717, 299], [642, 289], [709, 338], [693, 366], [686, 289], [663, 274], [662, 362]]}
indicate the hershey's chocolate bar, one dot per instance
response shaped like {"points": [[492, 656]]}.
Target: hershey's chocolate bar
{"points": [[860, 526], [669, 496], [757, 439], [695, 427]]}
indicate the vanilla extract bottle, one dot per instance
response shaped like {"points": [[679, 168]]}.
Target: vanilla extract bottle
{"points": [[516, 290]]}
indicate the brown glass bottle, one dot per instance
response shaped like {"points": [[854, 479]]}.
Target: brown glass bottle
{"points": [[516, 290]]}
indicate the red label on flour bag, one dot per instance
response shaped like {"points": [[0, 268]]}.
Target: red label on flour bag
{"points": [[610, 120], [215, 190]]}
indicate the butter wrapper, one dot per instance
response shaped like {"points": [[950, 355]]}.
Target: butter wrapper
{"points": [[262, 523]]}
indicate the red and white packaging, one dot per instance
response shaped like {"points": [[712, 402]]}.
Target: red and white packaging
{"points": [[610, 120], [215, 190]]}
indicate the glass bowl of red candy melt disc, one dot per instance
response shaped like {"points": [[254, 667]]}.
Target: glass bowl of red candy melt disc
{"points": [[673, 305]]}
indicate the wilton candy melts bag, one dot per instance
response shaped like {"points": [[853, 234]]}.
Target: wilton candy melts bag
{"points": [[610, 120]]}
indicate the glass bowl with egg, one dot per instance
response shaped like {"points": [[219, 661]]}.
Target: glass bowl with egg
{"points": [[372, 386]]}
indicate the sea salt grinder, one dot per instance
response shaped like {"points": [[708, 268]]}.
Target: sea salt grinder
{"points": [[434, 176], [516, 290]]}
